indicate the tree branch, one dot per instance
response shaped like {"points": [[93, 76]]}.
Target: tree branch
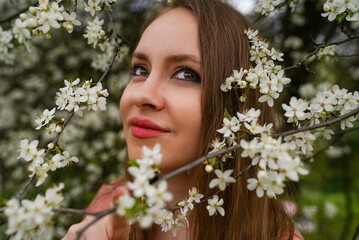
{"points": [[75, 211], [68, 119], [322, 45], [117, 48], [356, 234], [338, 137], [323, 124], [200, 160], [276, 7], [47, 154], [191, 165]]}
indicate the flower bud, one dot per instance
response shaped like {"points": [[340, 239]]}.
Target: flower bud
{"points": [[62, 119], [33, 10], [326, 8], [242, 98], [48, 35], [23, 16], [44, 7], [69, 28], [45, 167], [209, 168], [50, 146], [32, 22], [37, 32], [102, 33], [58, 129]]}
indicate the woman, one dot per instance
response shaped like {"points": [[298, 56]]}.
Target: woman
{"points": [[185, 53]]}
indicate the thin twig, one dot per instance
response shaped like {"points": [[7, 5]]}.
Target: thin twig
{"points": [[75, 211], [117, 48], [343, 30], [338, 137], [75, 6], [304, 62], [205, 199], [47, 154], [68, 119], [323, 124], [98, 217], [356, 234], [275, 7]]}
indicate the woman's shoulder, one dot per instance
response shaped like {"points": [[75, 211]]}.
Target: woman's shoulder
{"points": [[296, 236]]}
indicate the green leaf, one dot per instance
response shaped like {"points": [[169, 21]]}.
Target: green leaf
{"points": [[3, 202], [226, 115], [57, 150], [133, 162], [341, 17]]}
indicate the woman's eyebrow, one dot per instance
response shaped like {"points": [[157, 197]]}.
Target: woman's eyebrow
{"points": [[183, 57], [172, 58]]}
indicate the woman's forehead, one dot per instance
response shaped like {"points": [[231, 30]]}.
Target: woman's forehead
{"points": [[175, 32]]}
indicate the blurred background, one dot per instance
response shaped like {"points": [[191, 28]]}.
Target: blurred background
{"points": [[324, 205]]}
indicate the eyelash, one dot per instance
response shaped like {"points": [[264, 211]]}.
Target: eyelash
{"points": [[196, 77]]}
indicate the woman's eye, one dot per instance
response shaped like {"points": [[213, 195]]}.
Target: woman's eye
{"points": [[140, 71], [187, 75]]}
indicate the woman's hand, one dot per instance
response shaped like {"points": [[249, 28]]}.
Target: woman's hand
{"points": [[110, 227]]}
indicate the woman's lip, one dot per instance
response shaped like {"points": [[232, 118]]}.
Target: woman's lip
{"points": [[144, 128]]}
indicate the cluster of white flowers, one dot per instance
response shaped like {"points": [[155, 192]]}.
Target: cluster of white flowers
{"points": [[38, 164], [94, 32], [324, 54], [32, 219], [38, 20], [146, 205], [77, 97], [265, 7], [276, 160], [42, 19], [93, 6], [168, 222], [266, 75], [340, 9], [277, 163], [5, 46], [331, 102], [45, 118]]}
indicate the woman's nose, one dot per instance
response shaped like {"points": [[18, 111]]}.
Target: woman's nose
{"points": [[149, 94]]}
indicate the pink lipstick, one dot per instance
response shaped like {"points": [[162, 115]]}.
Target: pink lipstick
{"points": [[144, 128]]}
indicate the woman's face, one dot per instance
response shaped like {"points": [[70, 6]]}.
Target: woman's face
{"points": [[162, 102]]}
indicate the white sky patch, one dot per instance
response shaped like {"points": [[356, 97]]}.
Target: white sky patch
{"points": [[243, 6]]}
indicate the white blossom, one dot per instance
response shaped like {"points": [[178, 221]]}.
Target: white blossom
{"points": [[229, 127], [223, 178], [45, 118], [214, 205]]}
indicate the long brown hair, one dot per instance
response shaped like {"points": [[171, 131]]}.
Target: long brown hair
{"points": [[225, 47]]}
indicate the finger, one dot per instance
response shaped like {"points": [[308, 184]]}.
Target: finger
{"points": [[72, 232], [119, 191]]}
